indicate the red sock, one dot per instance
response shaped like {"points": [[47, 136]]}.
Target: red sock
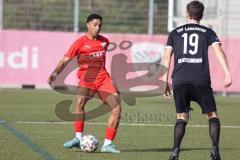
{"points": [[110, 133], [78, 126]]}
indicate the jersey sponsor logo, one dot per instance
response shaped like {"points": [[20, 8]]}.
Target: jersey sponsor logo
{"points": [[97, 54], [190, 60]]}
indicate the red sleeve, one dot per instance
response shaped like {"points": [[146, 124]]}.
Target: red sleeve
{"points": [[74, 49]]}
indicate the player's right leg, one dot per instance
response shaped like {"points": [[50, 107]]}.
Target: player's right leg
{"points": [[82, 98], [208, 105]]}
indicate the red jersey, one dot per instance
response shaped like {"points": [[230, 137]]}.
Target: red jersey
{"points": [[90, 55]]}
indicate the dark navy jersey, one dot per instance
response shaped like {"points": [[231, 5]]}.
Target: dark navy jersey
{"points": [[190, 44]]}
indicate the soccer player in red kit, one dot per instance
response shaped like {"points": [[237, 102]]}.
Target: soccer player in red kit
{"points": [[90, 50]]}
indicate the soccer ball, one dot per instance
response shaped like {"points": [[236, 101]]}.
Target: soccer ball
{"points": [[88, 143]]}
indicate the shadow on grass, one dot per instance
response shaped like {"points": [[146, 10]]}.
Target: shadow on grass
{"points": [[151, 150], [169, 149]]}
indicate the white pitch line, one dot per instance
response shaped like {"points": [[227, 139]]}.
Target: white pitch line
{"points": [[122, 124]]}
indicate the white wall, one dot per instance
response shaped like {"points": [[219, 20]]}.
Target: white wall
{"points": [[221, 15]]}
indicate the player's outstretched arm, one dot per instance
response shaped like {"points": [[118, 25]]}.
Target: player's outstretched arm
{"points": [[165, 65], [223, 61], [60, 66]]}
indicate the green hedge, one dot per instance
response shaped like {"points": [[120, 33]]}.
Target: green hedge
{"points": [[119, 16]]}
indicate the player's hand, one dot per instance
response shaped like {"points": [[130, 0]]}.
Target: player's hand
{"points": [[167, 93], [52, 77], [227, 81]]}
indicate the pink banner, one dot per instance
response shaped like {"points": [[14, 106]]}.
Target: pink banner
{"points": [[28, 57]]}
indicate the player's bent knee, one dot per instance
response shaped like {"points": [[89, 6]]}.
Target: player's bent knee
{"points": [[212, 115], [116, 111], [80, 103], [113, 101], [81, 100], [183, 116]]}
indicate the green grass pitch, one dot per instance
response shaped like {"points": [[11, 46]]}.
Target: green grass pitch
{"points": [[29, 129]]}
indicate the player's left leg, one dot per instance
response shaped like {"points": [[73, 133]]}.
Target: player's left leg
{"points": [[108, 92], [113, 101]]}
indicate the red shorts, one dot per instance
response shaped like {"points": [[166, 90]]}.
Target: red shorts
{"points": [[104, 86]]}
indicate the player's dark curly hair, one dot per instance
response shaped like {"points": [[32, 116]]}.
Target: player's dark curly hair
{"points": [[93, 16], [195, 10]]}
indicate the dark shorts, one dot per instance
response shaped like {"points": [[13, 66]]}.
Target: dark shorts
{"points": [[185, 93]]}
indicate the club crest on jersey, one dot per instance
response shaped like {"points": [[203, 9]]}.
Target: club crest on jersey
{"points": [[104, 44]]}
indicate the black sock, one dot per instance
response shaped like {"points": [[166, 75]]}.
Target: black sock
{"points": [[214, 130], [179, 132]]}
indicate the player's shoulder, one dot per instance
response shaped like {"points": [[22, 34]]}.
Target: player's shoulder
{"points": [[80, 40], [103, 39], [199, 27], [177, 30], [207, 30], [210, 30]]}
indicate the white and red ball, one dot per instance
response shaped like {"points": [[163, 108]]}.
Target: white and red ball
{"points": [[89, 143]]}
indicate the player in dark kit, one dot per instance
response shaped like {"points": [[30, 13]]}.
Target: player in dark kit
{"points": [[191, 78]]}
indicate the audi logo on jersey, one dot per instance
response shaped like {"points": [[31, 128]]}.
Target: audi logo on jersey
{"points": [[97, 54]]}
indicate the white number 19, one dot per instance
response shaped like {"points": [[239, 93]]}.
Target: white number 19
{"points": [[193, 41]]}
